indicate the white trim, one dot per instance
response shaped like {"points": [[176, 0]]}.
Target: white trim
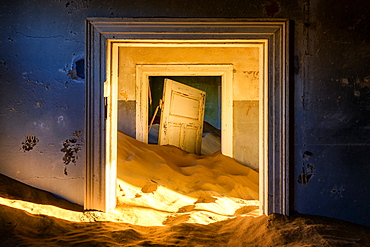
{"points": [[263, 128], [142, 80], [100, 32]]}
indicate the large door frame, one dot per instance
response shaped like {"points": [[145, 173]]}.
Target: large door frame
{"points": [[102, 33]]}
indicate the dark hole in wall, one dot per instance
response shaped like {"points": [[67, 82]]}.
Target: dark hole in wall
{"points": [[77, 71], [80, 68]]}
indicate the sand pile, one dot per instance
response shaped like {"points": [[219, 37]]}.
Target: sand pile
{"points": [[180, 187], [21, 224], [166, 197], [26, 223]]}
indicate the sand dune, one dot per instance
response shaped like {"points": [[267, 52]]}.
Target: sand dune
{"points": [[163, 185], [21, 224], [19, 228], [166, 197]]}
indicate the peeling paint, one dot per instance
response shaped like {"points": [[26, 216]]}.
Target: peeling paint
{"points": [[360, 86], [61, 120], [357, 93], [337, 192], [344, 81], [29, 143], [71, 147], [41, 125], [124, 95], [307, 170]]}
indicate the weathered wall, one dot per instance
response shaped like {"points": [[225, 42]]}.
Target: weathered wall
{"points": [[332, 110], [245, 61], [246, 65], [42, 94]]}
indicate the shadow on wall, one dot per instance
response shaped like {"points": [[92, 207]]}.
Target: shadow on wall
{"points": [[21, 191]]}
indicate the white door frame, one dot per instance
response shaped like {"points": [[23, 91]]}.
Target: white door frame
{"points": [[102, 33], [225, 71]]}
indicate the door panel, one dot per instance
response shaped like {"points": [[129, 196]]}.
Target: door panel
{"points": [[174, 134], [182, 116], [191, 139], [184, 106]]}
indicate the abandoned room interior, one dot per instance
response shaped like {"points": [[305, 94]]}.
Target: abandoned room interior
{"points": [[198, 111], [243, 59], [194, 123]]}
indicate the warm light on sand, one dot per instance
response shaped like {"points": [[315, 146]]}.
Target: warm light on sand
{"points": [[163, 185], [49, 223], [48, 210]]}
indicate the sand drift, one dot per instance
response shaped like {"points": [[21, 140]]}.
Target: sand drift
{"points": [[161, 185]]}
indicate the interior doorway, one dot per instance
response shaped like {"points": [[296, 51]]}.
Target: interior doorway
{"points": [[231, 73], [137, 33], [187, 108], [225, 73]]}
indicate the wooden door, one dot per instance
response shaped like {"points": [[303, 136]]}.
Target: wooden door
{"points": [[182, 116]]}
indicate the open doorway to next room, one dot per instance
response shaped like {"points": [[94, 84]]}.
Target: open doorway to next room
{"points": [[164, 185]]}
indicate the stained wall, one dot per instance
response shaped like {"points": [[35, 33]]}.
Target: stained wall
{"points": [[42, 93], [245, 86]]}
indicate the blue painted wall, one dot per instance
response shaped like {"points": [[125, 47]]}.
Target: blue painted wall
{"points": [[42, 93]]}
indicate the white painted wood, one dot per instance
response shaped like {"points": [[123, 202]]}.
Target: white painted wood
{"points": [[95, 122], [225, 71], [101, 32], [182, 116], [263, 130]]}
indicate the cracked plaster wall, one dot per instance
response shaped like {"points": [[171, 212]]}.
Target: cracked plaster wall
{"points": [[330, 92]]}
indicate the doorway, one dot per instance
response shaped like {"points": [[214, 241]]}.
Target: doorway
{"points": [[225, 73], [273, 159], [240, 70], [223, 81], [211, 124]]}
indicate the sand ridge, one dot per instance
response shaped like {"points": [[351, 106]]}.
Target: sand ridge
{"points": [[22, 226], [163, 185], [19, 228], [166, 197]]}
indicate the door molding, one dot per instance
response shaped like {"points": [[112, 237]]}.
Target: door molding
{"points": [[102, 33], [225, 71]]}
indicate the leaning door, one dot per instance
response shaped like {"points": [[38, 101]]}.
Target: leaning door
{"points": [[182, 116]]}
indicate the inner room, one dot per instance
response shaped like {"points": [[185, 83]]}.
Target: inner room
{"points": [[162, 184], [211, 85]]}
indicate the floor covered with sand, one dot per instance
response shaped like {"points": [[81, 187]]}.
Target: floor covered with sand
{"points": [[166, 197], [163, 185], [31, 217]]}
